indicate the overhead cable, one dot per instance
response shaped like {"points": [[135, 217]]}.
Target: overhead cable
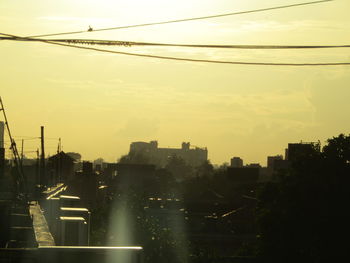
{"points": [[184, 19], [192, 60], [133, 43]]}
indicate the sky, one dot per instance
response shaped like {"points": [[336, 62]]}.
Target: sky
{"points": [[99, 103]]}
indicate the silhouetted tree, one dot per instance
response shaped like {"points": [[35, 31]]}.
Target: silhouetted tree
{"points": [[205, 169], [338, 149], [179, 168], [166, 183], [302, 215], [134, 158]]}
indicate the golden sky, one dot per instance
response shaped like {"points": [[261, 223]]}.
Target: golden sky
{"points": [[98, 103]]}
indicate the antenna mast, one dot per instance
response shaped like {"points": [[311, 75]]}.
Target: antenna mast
{"points": [[19, 178]]}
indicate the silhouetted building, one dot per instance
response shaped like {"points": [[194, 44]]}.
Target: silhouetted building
{"points": [[296, 150], [110, 170], [60, 168], [280, 165], [253, 165], [87, 168], [98, 167], [236, 162], [271, 161], [159, 156], [75, 156]]}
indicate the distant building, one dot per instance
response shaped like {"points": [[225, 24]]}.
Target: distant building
{"points": [[301, 149], [236, 162], [60, 168], [85, 184], [271, 161], [253, 165], [159, 156], [110, 170], [98, 167], [294, 150], [75, 156], [87, 168]]}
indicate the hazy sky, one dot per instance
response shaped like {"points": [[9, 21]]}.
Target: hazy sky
{"points": [[98, 103]]}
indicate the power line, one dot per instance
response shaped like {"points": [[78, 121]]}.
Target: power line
{"points": [[190, 59], [133, 43], [184, 19], [202, 60]]}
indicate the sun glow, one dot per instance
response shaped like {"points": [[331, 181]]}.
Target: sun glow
{"points": [[224, 108]]}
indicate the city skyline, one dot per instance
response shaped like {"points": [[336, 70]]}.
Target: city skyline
{"points": [[191, 154], [99, 103]]}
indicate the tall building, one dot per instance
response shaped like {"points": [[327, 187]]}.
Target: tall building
{"points": [[192, 155], [236, 162]]}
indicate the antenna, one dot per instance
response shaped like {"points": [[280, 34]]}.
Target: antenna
{"points": [[19, 178]]}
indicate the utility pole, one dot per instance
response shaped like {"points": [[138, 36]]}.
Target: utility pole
{"points": [[43, 179], [59, 167], [37, 174]]}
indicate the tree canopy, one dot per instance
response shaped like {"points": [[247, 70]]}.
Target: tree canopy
{"points": [[302, 214]]}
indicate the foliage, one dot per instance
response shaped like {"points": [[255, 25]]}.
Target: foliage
{"points": [[206, 169], [338, 149], [301, 215], [179, 168]]}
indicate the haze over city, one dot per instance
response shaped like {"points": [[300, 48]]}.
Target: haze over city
{"points": [[99, 103], [188, 131]]}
